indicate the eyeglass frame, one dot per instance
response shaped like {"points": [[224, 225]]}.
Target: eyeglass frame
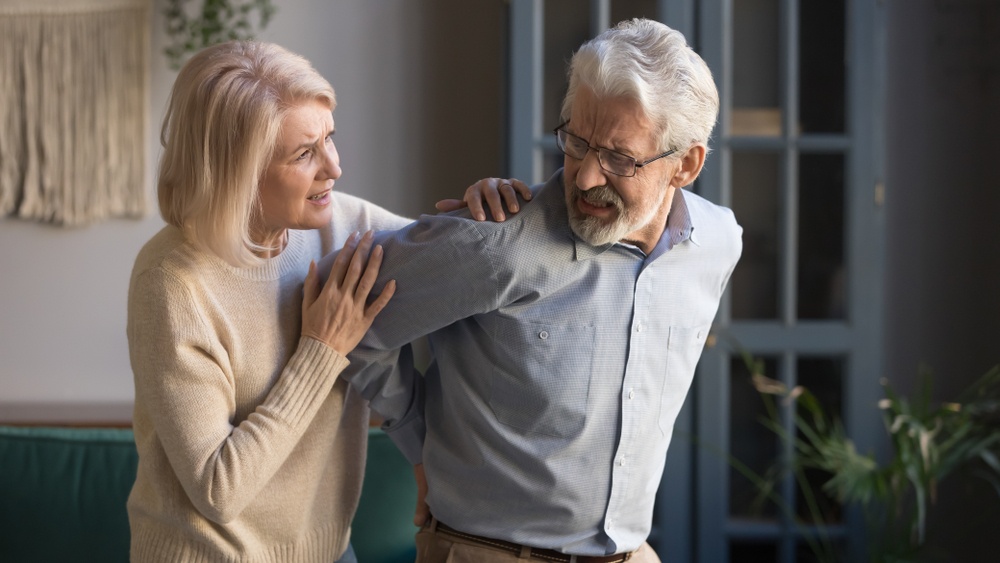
{"points": [[636, 165]]}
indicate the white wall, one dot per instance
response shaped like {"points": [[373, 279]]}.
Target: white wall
{"points": [[419, 92]]}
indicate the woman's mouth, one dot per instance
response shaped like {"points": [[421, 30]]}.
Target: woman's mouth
{"points": [[321, 198]]}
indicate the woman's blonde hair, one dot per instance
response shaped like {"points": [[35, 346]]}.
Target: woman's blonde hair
{"points": [[219, 134]]}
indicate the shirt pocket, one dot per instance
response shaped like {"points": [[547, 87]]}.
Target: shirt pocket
{"points": [[684, 347], [541, 380]]}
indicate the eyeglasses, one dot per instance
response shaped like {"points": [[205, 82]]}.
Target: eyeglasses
{"points": [[611, 161]]}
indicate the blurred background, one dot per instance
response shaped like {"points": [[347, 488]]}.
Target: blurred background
{"points": [[857, 145]]}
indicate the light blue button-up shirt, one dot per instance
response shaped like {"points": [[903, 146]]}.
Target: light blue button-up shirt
{"points": [[558, 367]]}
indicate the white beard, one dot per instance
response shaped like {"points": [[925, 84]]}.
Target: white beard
{"points": [[592, 229]]}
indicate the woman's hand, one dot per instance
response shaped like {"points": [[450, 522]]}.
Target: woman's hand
{"points": [[339, 314], [491, 190]]}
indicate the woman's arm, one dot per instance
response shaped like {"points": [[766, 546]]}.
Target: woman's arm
{"points": [[185, 382]]}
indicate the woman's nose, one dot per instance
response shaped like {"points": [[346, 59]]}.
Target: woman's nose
{"points": [[331, 164]]}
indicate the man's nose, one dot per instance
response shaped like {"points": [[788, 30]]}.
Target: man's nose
{"points": [[591, 174]]}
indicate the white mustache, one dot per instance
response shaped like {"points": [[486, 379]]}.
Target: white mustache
{"points": [[601, 194]]}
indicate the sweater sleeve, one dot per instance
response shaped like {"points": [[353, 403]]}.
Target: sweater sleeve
{"points": [[184, 384]]}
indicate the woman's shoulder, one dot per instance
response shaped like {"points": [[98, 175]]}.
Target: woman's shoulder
{"points": [[168, 251], [352, 213]]}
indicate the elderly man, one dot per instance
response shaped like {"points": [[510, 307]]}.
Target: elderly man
{"points": [[565, 339]]}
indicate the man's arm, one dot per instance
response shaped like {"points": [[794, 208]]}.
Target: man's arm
{"points": [[444, 271]]}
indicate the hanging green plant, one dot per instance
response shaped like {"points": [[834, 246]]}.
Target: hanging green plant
{"points": [[192, 28]]}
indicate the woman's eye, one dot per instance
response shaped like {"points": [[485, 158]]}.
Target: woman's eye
{"points": [[329, 138], [304, 155]]}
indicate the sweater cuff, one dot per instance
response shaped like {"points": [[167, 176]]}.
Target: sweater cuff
{"points": [[308, 378]]}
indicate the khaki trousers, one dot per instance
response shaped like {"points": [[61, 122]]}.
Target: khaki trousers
{"points": [[437, 547]]}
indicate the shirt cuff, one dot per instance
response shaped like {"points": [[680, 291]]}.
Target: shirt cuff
{"points": [[409, 438]]}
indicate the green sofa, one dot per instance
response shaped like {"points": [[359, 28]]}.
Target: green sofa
{"points": [[63, 493]]}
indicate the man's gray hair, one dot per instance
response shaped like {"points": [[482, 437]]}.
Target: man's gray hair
{"points": [[651, 63]]}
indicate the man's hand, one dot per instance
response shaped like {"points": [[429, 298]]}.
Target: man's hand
{"points": [[422, 514]]}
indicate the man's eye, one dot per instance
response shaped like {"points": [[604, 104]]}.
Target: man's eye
{"points": [[617, 159]]}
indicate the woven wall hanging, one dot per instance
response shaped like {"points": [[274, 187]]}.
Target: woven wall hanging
{"points": [[74, 98]]}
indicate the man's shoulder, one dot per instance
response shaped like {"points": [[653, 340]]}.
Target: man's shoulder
{"points": [[705, 213], [714, 226]]}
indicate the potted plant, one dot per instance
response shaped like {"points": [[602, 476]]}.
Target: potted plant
{"points": [[191, 28], [928, 443]]}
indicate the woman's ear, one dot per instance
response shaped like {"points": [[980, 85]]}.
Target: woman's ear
{"points": [[691, 162]]}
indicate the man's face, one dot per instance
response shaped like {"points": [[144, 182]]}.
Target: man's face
{"points": [[605, 208]]}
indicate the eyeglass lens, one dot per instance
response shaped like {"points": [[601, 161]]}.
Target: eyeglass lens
{"points": [[614, 162]]}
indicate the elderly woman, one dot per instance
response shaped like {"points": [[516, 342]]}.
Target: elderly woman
{"points": [[250, 447]]}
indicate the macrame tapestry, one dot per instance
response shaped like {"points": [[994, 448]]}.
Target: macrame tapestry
{"points": [[74, 81]]}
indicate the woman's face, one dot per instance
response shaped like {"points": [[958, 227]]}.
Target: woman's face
{"points": [[296, 190]]}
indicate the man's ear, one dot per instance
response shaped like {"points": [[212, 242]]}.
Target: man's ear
{"points": [[691, 162]]}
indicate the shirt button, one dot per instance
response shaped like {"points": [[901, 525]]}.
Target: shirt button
{"points": [[631, 393], [638, 327], [621, 462], [543, 335]]}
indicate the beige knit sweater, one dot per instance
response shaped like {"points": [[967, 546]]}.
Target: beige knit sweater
{"points": [[250, 448]]}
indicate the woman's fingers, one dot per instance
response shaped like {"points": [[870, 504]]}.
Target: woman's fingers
{"points": [[310, 289], [357, 265], [521, 188], [339, 314], [340, 264], [367, 281], [491, 193], [376, 306], [446, 205], [496, 192], [474, 199]]}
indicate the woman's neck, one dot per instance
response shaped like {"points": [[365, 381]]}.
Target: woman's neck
{"points": [[272, 243]]}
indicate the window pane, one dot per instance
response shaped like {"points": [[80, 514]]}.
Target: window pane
{"points": [[823, 377], [756, 183], [821, 275], [567, 26], [756, 78], [751, 444], [743, 551], [822, 71]]}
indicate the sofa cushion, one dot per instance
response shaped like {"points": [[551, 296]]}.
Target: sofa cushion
{"points": [[63, 493]]}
